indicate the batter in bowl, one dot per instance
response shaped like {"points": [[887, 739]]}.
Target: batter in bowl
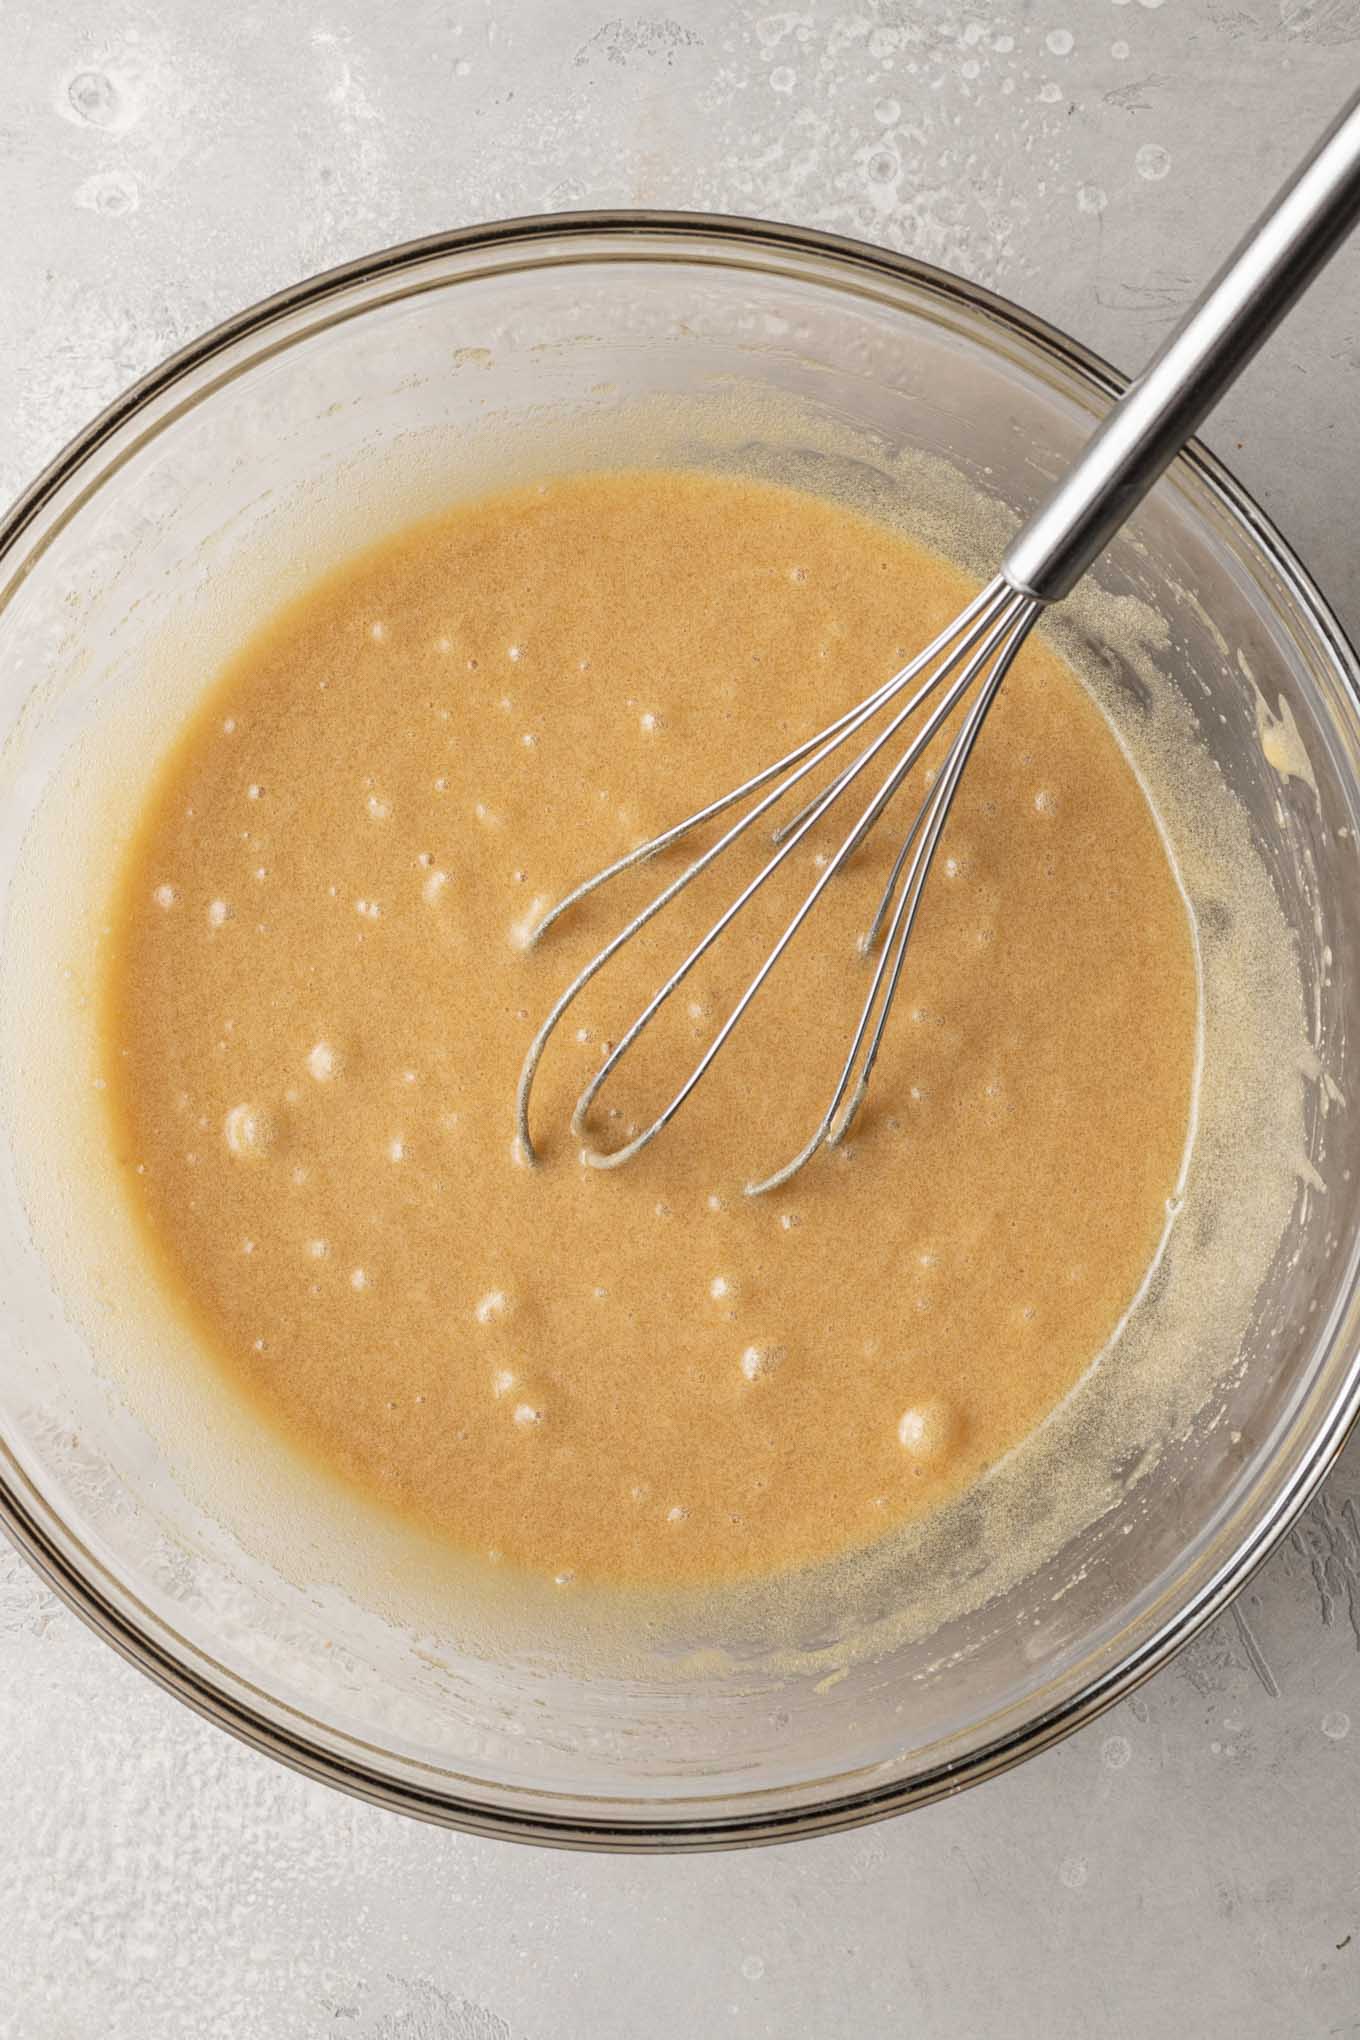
{"points": [[318, 993]]}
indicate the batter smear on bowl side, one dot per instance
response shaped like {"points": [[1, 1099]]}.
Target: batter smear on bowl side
{"points": [[320, 989]]}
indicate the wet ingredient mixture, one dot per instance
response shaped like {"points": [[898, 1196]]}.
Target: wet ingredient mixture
{"points": [[319, 993]]}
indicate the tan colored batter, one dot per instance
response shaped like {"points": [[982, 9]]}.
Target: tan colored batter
{"points": [[319, 998]]}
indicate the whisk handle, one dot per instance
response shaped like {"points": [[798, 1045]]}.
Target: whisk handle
{"points": [[1296, 235]]}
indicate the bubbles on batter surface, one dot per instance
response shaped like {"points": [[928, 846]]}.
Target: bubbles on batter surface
{"points": [[249, 1132], [927, 1431], [324, 1061], [759, 1362]]}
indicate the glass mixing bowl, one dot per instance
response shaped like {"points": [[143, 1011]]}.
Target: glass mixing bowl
{"points": [[297, 431]]}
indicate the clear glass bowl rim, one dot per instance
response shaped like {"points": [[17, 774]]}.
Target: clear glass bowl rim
{"points": [[108, 1606]]}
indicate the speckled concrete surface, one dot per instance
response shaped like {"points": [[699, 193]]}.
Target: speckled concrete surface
{"points": [[1191, 1864]]}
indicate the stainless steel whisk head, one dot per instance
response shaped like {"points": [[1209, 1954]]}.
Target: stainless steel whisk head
{"points": [[974, 652], [965, 665]]}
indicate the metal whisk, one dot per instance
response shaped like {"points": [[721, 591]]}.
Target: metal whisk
{"points": [[1150, 423]]}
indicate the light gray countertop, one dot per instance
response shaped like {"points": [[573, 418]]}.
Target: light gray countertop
{"points": [[1189, 1865]]}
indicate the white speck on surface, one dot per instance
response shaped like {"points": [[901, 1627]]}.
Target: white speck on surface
{"points": [[323, 1062], [219, 913], [248, 1132], [108, 97], [165, 896], [111, 193], [492, 1307], [1091, 199], [1336, 1726], [1072, 1872], [1115, 1752], [759, 1362], [1152, 162], [1060, 42]]}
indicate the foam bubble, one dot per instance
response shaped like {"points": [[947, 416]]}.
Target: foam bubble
{"points": [[759, 1362], [248, 1132], [927, 1429], [324, 1062]]}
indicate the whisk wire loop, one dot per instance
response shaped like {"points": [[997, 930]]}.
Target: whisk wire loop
{"points": [[981, 641]]}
